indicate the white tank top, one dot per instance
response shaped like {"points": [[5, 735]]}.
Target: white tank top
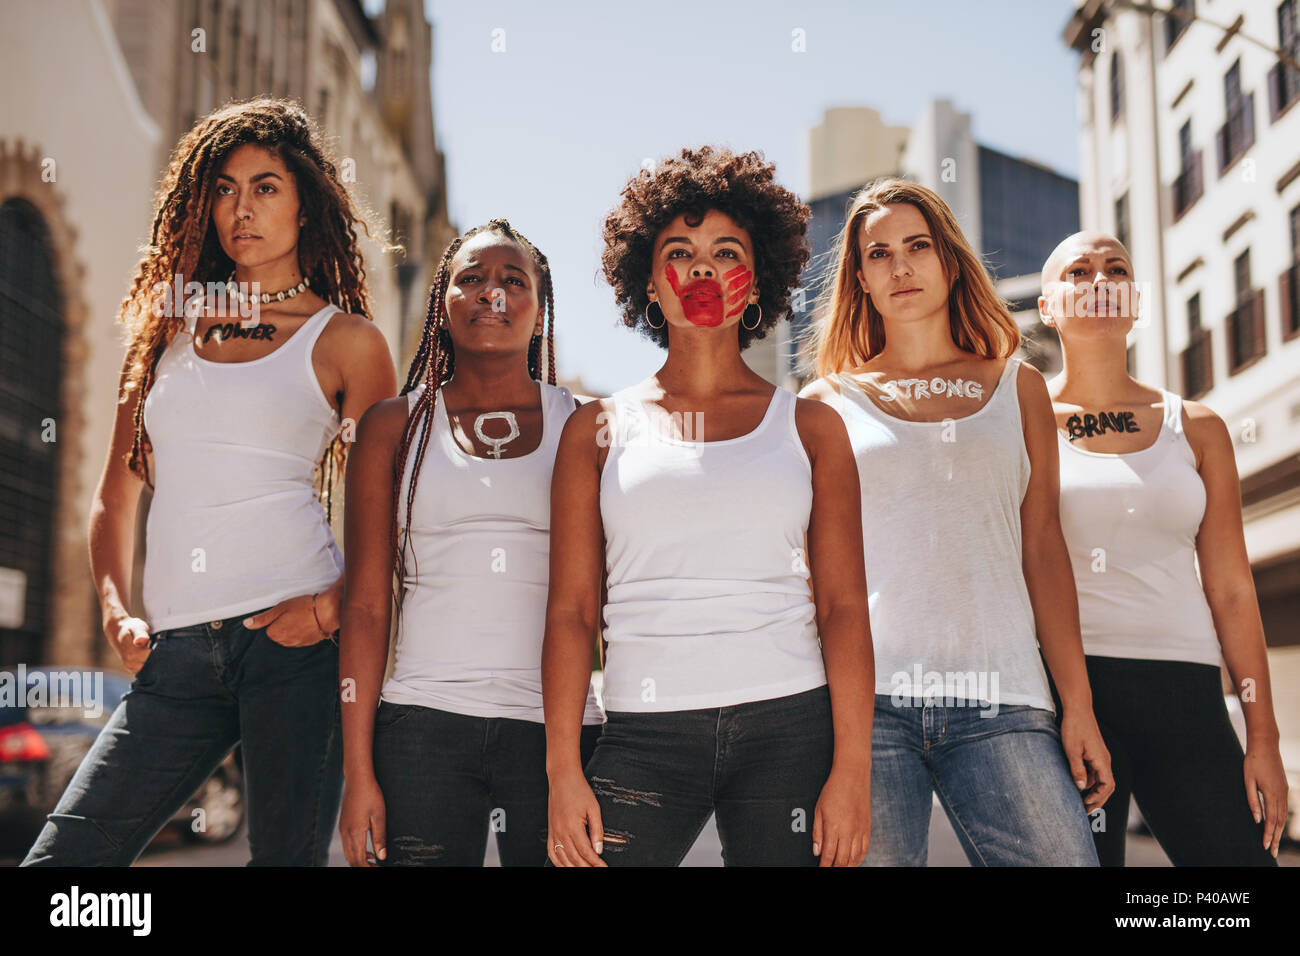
{"points": [[950, 612], [235, 525], [709, 603], [1130, 521], [469, 639]]}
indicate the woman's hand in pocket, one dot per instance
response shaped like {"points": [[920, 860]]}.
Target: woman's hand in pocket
{"points": [[291, 622], [362, 813], [129, 636]]}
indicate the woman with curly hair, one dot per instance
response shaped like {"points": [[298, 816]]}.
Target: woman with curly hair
{"points": [[969, 574], [457, 744], [705, 494], [242, 577]]}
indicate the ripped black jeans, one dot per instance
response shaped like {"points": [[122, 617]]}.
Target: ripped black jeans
{"points": [[759, 766], [448, 779]]}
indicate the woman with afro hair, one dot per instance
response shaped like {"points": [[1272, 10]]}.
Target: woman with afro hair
{"points": [[723, 515], [450, 490], [249, 357]]}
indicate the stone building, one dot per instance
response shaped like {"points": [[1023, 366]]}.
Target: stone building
{"points": [[93, 96]]}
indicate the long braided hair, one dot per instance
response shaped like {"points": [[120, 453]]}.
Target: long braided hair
{"points": [[183, 243], [434, 365]]}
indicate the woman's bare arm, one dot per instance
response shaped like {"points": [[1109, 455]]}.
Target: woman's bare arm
{"points": [[368, 577], [842, 826], [112, 538], [1230, 593], [572, 616], [573, 600], [1049, 579]]}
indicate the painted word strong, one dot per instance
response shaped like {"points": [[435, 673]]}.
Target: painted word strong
{"points": [[930, 388]]}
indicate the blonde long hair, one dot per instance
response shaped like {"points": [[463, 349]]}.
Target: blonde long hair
{"points": [[849, 329]]}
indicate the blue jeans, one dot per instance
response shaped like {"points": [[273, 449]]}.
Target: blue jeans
{"points": [[202, 690], [760, 766], [1003, 781], [448, 778]]}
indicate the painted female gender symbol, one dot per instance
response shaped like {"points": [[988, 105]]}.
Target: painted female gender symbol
{"points": [[496, 443]]}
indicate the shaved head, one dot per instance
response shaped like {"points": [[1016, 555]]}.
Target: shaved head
{"points": [[1077, 245]]}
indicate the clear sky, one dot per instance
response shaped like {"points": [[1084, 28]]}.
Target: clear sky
{"points": [[546, 132]]}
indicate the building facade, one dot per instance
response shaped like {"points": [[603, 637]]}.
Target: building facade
{"points": [[1190, 146], [82, 151]]}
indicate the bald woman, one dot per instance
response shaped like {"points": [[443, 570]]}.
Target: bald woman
{"points": [[1149, 487]]}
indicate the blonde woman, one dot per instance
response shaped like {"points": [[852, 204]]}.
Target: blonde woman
{"points": [[966, 566]]}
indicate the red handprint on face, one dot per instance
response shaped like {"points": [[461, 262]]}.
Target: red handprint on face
{"points": [[704, 301]]}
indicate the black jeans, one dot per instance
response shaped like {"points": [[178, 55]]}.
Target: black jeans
{"points": [[1173, 748], [202, 690], [449, 778], [760, 766]]}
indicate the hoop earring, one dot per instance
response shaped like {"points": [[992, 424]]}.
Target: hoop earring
{"points": [[647, 316], [751, 328]]}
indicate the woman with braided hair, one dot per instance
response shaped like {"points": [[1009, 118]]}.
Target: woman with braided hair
{"points": [[457, 743], [242, 577]]}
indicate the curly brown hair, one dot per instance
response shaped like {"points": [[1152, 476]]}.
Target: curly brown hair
{"points": [[743, 186], [183, 242]]}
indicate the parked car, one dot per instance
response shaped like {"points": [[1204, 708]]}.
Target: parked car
{"points": [[42, 746]]}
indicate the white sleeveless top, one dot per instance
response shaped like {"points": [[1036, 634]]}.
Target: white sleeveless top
{"points": [[235, 525], [469, 639], [950, 612], [1130, 521], [709, 602]]}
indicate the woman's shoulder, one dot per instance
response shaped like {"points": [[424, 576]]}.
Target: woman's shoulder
{"points": [[352, 331], [384, 422], [824, 389], [1208, 435]]}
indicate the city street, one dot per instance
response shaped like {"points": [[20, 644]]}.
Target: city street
{"points": [[944, 851]]}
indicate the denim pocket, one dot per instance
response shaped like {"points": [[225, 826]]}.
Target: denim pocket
{"points": [[390, 714], [142, 675]]}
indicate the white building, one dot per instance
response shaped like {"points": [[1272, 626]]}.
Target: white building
{"points": [[1190, 140]]}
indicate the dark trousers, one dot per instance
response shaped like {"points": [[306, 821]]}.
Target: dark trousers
{"points": [[202, 690], [759, 766], [448, 779], [1173, 749]]}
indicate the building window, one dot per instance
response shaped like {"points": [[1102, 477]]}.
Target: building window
{"points": [[1177, 20], [1241, 275], [1121, 220], [1116, 87], [1289, 283], [1198, 367], [1283, 78], [1245, 323], [1189, 184], [31, 349], [1237, 134]]}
